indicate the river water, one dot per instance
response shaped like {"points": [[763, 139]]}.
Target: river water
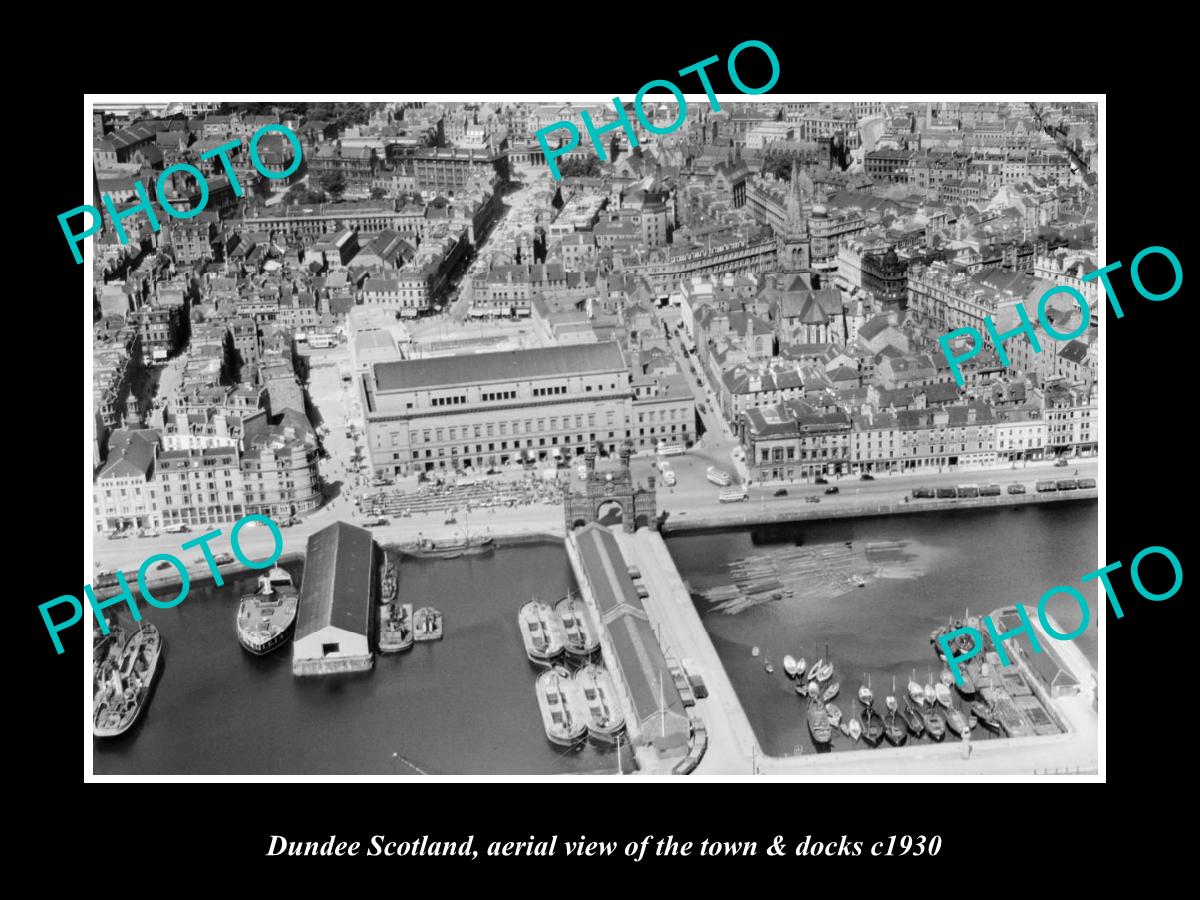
{"points": [[971, 559], [466, 704]]}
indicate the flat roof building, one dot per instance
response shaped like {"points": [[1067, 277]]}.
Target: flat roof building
{"points": [[333, 623]]}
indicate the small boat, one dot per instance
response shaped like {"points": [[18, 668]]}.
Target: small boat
{"points": [[831, 691], [915, 691], [580, 634], [844, 727], [930, 693], [890, 700], [854, 729], [913, 720], [789, 665], [935, 724], [967, 688], [267, 619], [818, 722], [124, 682], [865, 697], [814, 669], [395, 627], [814, 691], [986, 714], [946, 677], [427, 624], [835, 714], [825, 670], [802, 690], [872, 726], [858, 580], [542, 632], [754, 651], [956, 721], [770, 668], [801, 668], [598, 696], [562, 716], [894, 729], [943, 695]]}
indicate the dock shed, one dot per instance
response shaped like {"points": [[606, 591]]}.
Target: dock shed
{"points": [[333, 624]]}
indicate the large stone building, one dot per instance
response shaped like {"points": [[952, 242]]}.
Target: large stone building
{"points": [[494, 408]]}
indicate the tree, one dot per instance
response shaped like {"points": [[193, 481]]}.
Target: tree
{"points": [[334, 184], [378, 193]]}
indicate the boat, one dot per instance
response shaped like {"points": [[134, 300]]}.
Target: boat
{"points": [[930, 693], [915, 691], [858, 580], [267, 619], [865, 697], [814, 691], [124, 682], [986, 715], [580, 634], [389, 579], [956, 721], [825, 670], [946, 677], [831, 691], [814, 670], [564, 720], [594, 687], [770, 668], [467, 545], [854, 729], [967, 687], [872, 726], [943, 695], [542, 632], [935, 723], [818, 722], [789, 665], [890, 700], [844, 727], [913, 720], [802, 690], [754, 651], [894, 729], [835, 714], [427, 624], [395, 627], [105, 646], [801, 668]]}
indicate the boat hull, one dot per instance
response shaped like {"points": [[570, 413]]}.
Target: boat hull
{"points": [[263, 647], [451, 551]]}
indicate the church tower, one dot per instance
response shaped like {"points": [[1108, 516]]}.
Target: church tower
{"points": [[793, 241]]}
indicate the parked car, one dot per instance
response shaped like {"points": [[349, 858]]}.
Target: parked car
{"points": [[812, 498], [451, 521], [866, 476], [922, 492], [1016, 488], [832, 490], [782, 492], [1060, 462], [163, 565], [820, 480]]}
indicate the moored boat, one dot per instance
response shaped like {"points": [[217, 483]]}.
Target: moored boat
{"points": [[770, 668], [943, 695], [915, 691], [124, 682], [854, 729], [267, 619], [395, 627], [825, 669], [818, 722], [967, 688], [890, 700], [844, 727], [986, 715], [913, 720], [563, 719], [595, 690], [835, 714], [865, 696], [872, 725], [831, 691], [542, 632], [956, 721], [930, 693], [427, 624], [935, 723], [579, 633], [894, 729], [813, 670], [789, 665]]}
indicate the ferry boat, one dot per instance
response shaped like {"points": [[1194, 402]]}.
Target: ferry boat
{"points": [[582, 639], [564, 721], [267, 619], [542, 632], [427, 624], [124, 682], [596, 692], [395, 627]]}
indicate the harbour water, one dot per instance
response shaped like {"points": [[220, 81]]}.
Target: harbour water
{"points": [[462, 705], [976, 559]]}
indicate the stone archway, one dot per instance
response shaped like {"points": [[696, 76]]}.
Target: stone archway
{"points": [[610, 512]]}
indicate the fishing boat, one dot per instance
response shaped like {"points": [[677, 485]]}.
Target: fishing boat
{"points": [[986, 714], [825, 671], [872, 726], [935, 723], [894, 729], [789, 665], [595, 689], [542, 632], [565, 722], [956, 721], [835, 714], [395, 627], [915, 691], [580, 634], [865, 696], [124, 682], [389, 579], [267, 619], [943, 695], [890, 700], [854, 729], [913, 720], [831, 691], [818, 722], [427, 624]]}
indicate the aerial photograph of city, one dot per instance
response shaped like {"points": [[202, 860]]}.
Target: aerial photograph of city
{"points": [[511, 438]]}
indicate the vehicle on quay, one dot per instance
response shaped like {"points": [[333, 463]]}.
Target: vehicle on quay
{"points": [[946, 493], [733, 495], [665, 449], [377, 522], [180, 528], [1016, 488], [1067, 484], [1061, 462], [922, 493], [563, 715], [542, 632], [669, 477], [122, 684], [267, 619], [832, 490], [1085, 483], [989, 490], [718, 476], [812, 498], [866, 476], [148, 532], [968, 490], [782, 492], [1046, 486], [820, 480]]}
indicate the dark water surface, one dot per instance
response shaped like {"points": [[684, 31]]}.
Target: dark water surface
{"points": [[462, 705], [972, 559]]}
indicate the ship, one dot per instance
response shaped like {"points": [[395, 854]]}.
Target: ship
{"points": [[267, 619], [389, 580], [427, 624], [595, 690], [582, 639], [124, 682], [986, 714], [395, 627], [465, 546], [542, 632], [564, 721]]}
